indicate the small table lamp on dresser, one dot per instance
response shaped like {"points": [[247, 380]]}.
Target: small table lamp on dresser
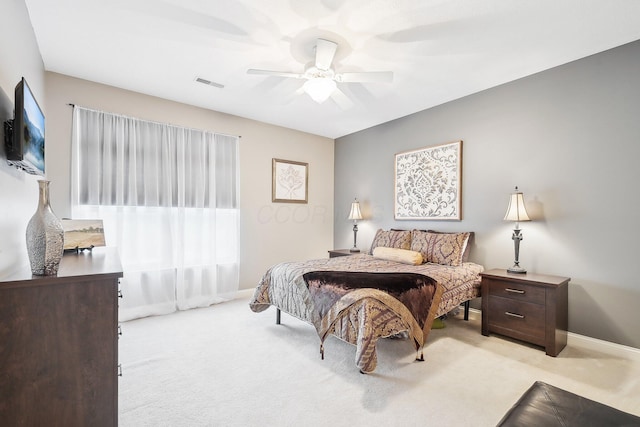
{"points": [[355, 215]]}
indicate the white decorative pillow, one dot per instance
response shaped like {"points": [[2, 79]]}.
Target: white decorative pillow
{"points": [[398, 255]]}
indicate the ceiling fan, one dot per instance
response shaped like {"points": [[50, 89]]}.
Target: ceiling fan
{"points": [[321, 78]]}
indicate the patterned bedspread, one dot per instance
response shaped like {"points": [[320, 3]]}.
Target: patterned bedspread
{"points": [[364, 315]]}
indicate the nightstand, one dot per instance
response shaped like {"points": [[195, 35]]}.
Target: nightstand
{"points": [[529, 307], [341, 252]]}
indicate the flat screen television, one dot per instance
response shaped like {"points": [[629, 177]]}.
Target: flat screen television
{"points": [[24, 143]]}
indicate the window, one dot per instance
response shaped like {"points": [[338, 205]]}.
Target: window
{"points": [[168, 197]]}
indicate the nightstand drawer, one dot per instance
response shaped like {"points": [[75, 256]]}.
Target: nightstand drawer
{"points": [[515, 290], [518, 319]]}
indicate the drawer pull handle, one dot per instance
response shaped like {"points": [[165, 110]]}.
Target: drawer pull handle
{"points": [[519, 316], [514, 291], [119, 370]]}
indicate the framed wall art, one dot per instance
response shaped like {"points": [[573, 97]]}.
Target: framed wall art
{"points": [[290, 181], [428, 183]]}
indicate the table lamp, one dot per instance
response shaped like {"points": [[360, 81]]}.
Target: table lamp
{"points": [[516, 212], [355, 215]]}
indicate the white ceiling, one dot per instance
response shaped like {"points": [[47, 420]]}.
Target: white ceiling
{"points": [[438, 50]]}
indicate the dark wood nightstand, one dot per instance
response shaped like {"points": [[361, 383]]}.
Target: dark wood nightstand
{"points": [[529, 307], [341, 252]]}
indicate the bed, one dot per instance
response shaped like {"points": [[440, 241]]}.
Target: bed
{"points": [[398, 287]]}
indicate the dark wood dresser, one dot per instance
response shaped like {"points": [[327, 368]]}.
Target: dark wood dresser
{"points": [[59, 343], [529, 307]]}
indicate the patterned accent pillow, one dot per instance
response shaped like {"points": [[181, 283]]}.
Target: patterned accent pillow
{"points": [[440, 248], [467, 249], [399, 239]]}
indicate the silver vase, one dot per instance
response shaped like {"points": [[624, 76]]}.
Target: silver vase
{"points": [[45, 237]]}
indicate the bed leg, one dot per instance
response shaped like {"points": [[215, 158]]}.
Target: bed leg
{"points": [[467, 304], [277, 316]]}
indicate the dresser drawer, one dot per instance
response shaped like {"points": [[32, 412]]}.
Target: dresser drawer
{"points": [[517, 319], [516, 291]]}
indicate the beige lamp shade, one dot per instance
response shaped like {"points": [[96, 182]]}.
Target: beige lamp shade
{"points": [[355, 211], [516, 210]]}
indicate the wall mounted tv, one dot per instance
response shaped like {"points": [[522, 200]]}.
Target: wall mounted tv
{"points": [[24, 135]]}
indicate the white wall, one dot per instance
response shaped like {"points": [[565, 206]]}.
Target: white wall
{"points": [[270, 232], [19, 57], [570, 139]]}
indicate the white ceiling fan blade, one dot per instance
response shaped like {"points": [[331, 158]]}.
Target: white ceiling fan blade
{"points": [[372, 76], [275, 73], [341, 99], [325, 51]]}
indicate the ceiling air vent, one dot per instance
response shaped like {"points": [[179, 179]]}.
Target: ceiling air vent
{"points": [[209, 82]]}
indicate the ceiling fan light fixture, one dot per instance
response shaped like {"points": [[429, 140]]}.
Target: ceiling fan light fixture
{"points": [[319, 88], [321, 77]]}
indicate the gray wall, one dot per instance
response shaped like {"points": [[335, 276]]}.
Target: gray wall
{"points": [[569, 138]]}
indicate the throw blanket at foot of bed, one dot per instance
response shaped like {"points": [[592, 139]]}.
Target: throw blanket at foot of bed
{"points": [[360, 308], [356, 307]]}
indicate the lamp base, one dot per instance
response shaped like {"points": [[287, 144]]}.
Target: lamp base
{"points": [[516, 269], [354, 250]]}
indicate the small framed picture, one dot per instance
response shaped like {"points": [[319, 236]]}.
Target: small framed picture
{"points": [[81, 234], [290, 181]]}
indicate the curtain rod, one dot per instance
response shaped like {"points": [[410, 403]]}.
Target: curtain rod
{"points": [[151, 121]]}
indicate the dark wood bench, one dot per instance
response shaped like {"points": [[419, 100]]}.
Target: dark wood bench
{"points": [[546, 405]]}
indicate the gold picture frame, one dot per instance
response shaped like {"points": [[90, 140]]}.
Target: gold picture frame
{"points": [[428, 183], [290, 181]]}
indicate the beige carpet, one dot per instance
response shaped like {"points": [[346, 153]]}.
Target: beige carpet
{"points": [[228, 366]]}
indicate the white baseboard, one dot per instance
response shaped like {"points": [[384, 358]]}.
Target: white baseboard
{"points": [[607, 347]]}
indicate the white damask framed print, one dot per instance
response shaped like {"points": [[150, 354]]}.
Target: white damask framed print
{"points": [[428, 183]]}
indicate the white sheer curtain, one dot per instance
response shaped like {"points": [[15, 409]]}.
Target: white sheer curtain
{"points": [[168, 197]]}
